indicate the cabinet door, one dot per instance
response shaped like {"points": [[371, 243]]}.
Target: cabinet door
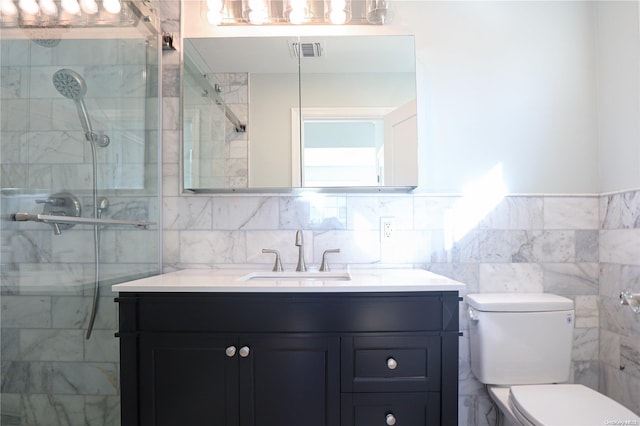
{"points": [[187, 380], [289, 380]]}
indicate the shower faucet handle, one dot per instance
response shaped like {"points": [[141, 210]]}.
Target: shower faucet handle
{"points": [[52, 201]]}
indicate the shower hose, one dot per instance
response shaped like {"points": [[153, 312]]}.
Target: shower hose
{"points": [[96, 245]]}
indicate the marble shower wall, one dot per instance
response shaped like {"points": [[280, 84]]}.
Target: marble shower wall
{"points": [[620, 270]]}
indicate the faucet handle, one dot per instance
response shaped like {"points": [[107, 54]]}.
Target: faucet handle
{"points": [[324, 266], [277, 266], [52, 201]]}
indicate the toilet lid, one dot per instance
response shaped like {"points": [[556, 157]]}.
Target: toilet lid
{"points": [[567, 405]]}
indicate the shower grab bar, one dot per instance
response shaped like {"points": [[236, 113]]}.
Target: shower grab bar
{"points": [[54, 219], [631, 299]]}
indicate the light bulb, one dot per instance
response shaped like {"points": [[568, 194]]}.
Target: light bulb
{"points": [[258, 17], [29, 6], [112, 6], [296, 11], [256, 11], [48, 7], [297, 15], [70, 6], [8, 8], [214, 17], [338, 17], [214, 5], [89, 7]]}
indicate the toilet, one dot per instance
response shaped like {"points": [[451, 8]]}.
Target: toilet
{"points": [[520, 346]]}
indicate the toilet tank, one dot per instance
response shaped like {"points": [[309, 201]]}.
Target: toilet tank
{"points": [[520, 338]]}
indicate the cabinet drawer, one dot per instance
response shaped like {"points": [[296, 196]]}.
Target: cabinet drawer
{"points": [[391, 363], [404, 409], [288, 312]]}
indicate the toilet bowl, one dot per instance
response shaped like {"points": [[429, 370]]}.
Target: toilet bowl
{"points": [[560, 405], [520, 348]]}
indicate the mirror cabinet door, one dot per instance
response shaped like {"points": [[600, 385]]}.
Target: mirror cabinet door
{"points": [[315, 112]]}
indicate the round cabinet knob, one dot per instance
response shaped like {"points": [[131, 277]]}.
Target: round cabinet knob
{"points": [[392, 364], [230, 351], [390, 419], [244, 351]]}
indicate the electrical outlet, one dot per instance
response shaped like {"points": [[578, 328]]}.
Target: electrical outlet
{"points": [[387, 228]]}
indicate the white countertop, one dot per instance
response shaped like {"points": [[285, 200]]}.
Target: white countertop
{"points": [[231, 280]]}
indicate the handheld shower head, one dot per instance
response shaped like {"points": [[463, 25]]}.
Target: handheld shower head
{"points": [[71, 85]]}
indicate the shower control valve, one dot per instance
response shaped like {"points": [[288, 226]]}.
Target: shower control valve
{"points": [[61, 204]]}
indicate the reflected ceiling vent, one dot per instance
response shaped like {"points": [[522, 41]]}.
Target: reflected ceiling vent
{"points": [[306, 49]]}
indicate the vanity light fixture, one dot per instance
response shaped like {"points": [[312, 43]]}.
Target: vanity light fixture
{"points": [[39, 16], [295, 12]]}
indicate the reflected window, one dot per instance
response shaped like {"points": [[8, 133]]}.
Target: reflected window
{"points": [[342, 152]]}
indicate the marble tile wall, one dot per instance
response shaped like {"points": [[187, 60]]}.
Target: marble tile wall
{"points": [[619, 270]]}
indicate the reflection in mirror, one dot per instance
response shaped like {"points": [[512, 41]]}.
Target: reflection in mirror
{"points": [[341, 152], [345, 128], [215, 146], [367, 87]]}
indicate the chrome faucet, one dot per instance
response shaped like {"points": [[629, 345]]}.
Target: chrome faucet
{"points": [[301, 267]]}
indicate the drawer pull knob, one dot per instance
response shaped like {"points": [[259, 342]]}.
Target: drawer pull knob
{"points": [[230, 351], [392, 364], [390, 419], [244, 351]]}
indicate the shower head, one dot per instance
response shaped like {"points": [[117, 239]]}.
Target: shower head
{"points": [[71, 85]]}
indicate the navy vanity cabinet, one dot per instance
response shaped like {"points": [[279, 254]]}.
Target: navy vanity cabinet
{"points": [[237, 380], [300, 359]]}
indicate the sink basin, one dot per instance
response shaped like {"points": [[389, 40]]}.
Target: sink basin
{"points": [[296, 276]]}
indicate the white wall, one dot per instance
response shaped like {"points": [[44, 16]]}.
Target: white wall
{"points": [[510, 83], [505, 82], [618, 54]]}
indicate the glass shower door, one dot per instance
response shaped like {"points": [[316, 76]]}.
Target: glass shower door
{"points": [[85, 148]]}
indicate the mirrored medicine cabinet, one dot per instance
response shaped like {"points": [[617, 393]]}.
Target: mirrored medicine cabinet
{"points": [[329, 113]]}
